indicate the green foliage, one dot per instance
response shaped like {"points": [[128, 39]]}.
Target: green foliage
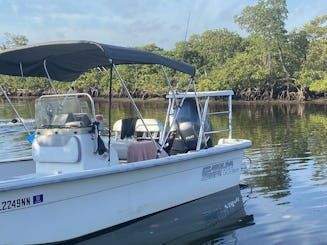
{"points": [[210, 50], [296, 50], [267, 19], [319, 85], [206, 85], [317, 28], [242, 71], [314, 70], [12, 41], [313, 74], [223, 59], [317, 55]]}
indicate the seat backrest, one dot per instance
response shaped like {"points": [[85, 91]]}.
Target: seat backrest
{"points": [[153, 125]]}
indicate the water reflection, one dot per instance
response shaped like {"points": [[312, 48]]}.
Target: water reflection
{"points": [[285, 138], [204, 221], [13, 141]]}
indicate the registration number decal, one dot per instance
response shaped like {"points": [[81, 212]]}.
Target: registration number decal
{"points": [[22, 202]]}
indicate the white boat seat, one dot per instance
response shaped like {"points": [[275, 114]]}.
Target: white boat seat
{"points": [[140, 133]]}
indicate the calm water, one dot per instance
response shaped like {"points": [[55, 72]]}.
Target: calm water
{"points": [[285, 196]]}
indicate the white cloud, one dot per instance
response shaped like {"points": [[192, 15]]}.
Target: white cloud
{"points": [[133, 23]]}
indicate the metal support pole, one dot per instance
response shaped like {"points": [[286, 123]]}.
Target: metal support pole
{"points": [[49, 78], [230, 117], [202, 120], [134, 105]]}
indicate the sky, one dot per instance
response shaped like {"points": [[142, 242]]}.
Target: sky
{"points": [[134, 22]]}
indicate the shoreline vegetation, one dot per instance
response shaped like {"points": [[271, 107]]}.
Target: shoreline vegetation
{"points": [[248, 98], [271, 63]]}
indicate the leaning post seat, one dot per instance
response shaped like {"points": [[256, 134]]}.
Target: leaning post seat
{"points": [[130, 130], [135, 128]]}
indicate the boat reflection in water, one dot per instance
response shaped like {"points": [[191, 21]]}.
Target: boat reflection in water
{"points": [[196, 222]]}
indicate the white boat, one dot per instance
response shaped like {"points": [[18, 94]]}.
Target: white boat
{"points": [[86, 181]]}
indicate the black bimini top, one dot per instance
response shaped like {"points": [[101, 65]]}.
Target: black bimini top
{"points": [[67, 60]]}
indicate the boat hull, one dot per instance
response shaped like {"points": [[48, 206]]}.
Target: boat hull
{"points": [[59, 208]]}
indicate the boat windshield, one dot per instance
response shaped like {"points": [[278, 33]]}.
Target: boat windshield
{"points": [[64, 111]]}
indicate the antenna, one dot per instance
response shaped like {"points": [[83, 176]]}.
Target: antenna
{"points": [[184, 46], [185, 37]]}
